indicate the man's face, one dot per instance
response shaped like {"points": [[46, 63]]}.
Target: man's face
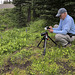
{"points": [[62, 16]]}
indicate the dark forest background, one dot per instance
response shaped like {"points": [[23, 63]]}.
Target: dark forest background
{"points": [[30, 10]]}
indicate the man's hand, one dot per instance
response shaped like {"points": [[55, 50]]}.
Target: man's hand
{"points": [[50, 27], [50, 30]]}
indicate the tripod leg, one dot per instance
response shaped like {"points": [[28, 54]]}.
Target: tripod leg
{"points": [[52, 40], [44, 43], [40, 42], [44, 47]]}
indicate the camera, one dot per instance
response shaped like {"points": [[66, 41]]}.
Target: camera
{"points": [[46, 28]]}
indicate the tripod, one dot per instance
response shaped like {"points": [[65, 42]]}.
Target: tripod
{"points": [[45, 38]]}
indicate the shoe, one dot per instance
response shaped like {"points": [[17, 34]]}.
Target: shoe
{"points": [[68, 45]]}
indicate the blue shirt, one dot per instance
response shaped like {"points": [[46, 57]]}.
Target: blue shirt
{"points": [[65, 26]]}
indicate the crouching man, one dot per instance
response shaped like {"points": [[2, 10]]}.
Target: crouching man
{"points": [[66, 27]]}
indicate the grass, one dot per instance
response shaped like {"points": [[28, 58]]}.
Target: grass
{"points": [[19, 54]]}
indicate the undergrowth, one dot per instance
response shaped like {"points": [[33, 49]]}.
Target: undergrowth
{"points": [[19, 54]]}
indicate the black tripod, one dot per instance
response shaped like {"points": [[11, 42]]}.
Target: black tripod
{"points": [[45, 38]]}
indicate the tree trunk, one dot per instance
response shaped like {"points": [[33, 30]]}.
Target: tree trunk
{"points": [[29, 14], [34, 13]]}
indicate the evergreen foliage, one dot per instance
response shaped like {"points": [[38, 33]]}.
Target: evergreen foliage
{"points": [[43, 9]]}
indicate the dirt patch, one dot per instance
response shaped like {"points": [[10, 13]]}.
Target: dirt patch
{"points": [[65, 67], [10, 66], [5, 6]]}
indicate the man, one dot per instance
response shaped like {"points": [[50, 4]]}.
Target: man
{"points": [[66, 26]]}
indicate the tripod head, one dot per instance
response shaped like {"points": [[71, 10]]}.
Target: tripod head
{"points": [[45, 33]]}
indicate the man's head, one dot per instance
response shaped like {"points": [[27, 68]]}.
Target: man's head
{"points": [[62, 13]]}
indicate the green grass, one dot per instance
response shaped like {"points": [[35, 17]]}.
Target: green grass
{"points": [[19, 54]]}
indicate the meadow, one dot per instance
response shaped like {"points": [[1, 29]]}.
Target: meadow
{"points": [[19, 54]]}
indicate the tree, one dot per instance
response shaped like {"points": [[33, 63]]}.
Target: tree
{"points": [[46, 9], [19, 6]]}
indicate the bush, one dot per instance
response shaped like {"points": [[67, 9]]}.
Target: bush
{"points": [[7, 19], [37, 26]]}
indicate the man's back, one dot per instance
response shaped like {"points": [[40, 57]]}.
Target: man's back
{"points": [[68, 25]]}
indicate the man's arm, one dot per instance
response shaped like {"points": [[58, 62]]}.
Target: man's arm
{"points": [[66, 28], [57, 29]]}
